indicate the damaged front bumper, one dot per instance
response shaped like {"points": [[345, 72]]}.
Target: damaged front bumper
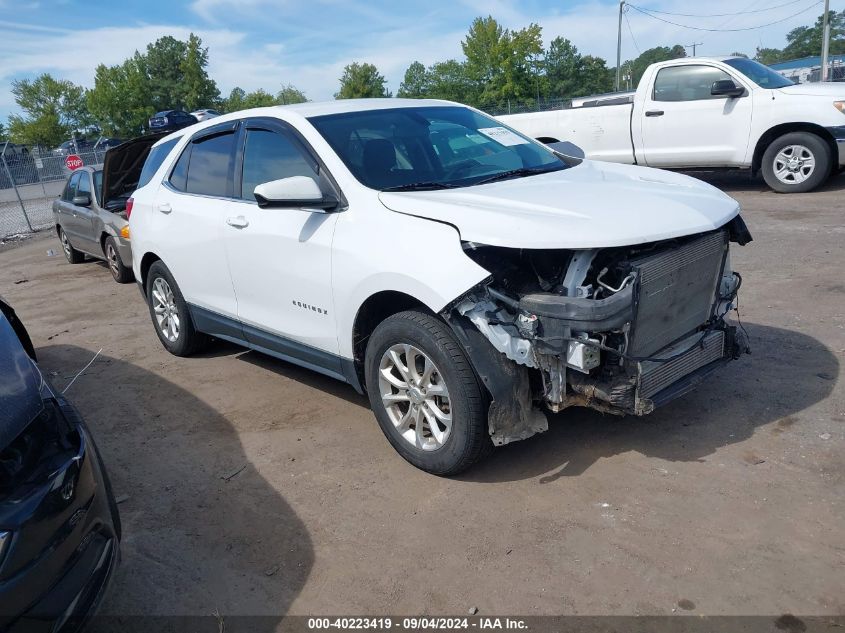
{"points": [[622, 332]]}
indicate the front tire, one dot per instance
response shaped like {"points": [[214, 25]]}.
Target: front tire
{"points": [[170, 314], [73, 256], [425, 394], [796, 162], [122, 274]]}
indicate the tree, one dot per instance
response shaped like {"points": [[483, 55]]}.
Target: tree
{"points": [[564, 69], [119, 100], [416, 84], [54, 109], [198, 89], [504, 64], [768, 55], [235, 100], [290, 94], [806, 41], [258, 99], [361, 81], [449, 80], [652, 56], [4, 136], [596, 76], [163, 62]]}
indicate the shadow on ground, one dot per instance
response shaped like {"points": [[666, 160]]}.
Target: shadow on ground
{"points": [[204, 533], [741, 180], [786, 373]]}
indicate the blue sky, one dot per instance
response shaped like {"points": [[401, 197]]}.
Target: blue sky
{"points": [[267, 43]]}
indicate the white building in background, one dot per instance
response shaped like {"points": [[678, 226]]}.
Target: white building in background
{"points": [[808, 69]]}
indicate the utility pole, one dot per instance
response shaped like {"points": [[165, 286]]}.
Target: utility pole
{"points": [[825, 39], [693, 45], [619, 46]]}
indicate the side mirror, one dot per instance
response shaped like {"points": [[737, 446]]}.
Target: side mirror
{"points": [[726, 88], [568, 149], [296, 192], [83, 200]]}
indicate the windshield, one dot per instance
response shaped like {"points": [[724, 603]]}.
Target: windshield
{"points": [[430, 147], [761, 75]]}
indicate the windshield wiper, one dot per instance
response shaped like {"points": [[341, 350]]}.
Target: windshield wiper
{"points": [[426, 185], [514, 173]]}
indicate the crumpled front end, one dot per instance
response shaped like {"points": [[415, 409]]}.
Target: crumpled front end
{"points": [[620, 330]]}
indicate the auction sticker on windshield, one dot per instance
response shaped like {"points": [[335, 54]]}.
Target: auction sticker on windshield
{"points": [[502, 135]]}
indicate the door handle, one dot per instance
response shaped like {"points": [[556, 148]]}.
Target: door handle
{"points": [[165, 207], [654, 113], [238, 222]]}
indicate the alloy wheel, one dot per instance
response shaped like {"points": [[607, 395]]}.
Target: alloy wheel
{"points": [[111, 256], [415, 396], [793, 164], [164, 307], [65, 244]]}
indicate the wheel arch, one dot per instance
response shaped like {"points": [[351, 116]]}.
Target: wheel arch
{"points": [[785, 128], [147, 261], [375, 309]]}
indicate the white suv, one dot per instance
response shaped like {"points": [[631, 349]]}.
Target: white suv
{"points": [[460, 273]]}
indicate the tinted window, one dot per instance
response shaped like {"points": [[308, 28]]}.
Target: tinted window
{"points": [[271, 156], [70, 190], [687, 83], [452, 146], [179, 177], [208, 172], [154, 160]]}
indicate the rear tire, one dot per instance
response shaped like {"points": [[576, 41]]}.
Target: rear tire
{"points": [[73, 256], [796, 162], [170, 314], [432, 409], [122, 274]]}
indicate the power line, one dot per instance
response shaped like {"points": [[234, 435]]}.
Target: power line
{"points": [[698, 28], [631, 31], [722, 15]]}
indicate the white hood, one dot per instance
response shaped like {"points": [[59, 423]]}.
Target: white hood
{"points": [[832, 90], [592, 205]]}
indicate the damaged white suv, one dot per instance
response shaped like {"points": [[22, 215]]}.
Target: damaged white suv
{"points": [[462, 274]]}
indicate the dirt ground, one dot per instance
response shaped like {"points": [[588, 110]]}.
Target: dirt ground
{"points": [[250, 486]]}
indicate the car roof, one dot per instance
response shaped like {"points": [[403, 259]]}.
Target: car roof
{"points": [[312, 109]]}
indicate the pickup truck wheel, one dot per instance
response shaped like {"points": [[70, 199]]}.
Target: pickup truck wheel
{"points": [[122, 274], [796, 162], [425, 394], [170, 314], [73, 256]]}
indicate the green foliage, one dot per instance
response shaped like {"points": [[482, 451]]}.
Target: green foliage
{"points": [[570, 74], [449, 80], [239, 99], [637, 66], [361, 81], [806, 41], [503, 64], [290, 94], [54, 109], [171, 74], [416, 84], [4, 135]]}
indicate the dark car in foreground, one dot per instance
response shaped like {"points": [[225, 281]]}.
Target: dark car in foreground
{"points": [[171, 120], [59, 524]]}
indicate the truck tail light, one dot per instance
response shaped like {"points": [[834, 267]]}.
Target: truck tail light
{"points": [[129, 204]]}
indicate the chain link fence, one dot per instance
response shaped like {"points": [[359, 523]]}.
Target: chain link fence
{"points": [[30, 179], [542, 104]]}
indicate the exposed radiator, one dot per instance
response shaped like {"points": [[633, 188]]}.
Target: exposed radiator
{"points": [[654, 377], [677, 291]]}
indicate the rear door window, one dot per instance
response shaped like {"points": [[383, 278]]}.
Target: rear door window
{"points": [[155, 159], [210, 166]]}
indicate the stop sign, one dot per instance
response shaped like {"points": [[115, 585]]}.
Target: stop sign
{"points": [[73, 162]]}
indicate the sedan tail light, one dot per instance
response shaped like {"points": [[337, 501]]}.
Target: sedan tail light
{"points": [[129, 204]]}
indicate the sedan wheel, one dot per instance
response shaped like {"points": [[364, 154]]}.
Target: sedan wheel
{"points": [[166, 312], [415, 397], [111, 257], [73, 256]]}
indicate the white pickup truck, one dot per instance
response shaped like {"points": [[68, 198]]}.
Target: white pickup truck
{"points": [[708, 113]]}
